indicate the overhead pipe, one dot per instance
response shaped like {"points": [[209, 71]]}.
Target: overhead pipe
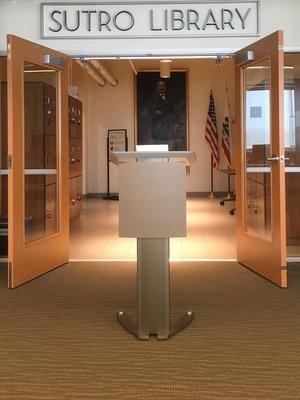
{"points": [[103, 71], [85, 65]]}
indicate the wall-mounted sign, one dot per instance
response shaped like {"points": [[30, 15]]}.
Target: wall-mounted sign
{"points": [[149, 19]]}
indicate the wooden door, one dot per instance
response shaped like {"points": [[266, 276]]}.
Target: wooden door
{"points": [[260, 172], [38, 214]]}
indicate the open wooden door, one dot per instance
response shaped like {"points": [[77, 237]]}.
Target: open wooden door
{"points": [[38, 214], [260, 163]]}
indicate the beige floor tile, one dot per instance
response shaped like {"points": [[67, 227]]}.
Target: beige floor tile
{"points": [[210, 232]]}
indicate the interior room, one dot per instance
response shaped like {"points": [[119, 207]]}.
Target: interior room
{"points": [[211, 229]]}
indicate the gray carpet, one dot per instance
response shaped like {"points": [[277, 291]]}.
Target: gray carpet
{"points": [[59, 338]]}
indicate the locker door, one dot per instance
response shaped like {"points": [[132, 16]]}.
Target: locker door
{"points": [[38, 214]]}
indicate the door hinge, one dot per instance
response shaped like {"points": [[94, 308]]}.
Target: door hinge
{"points": [[9, 161], [9, 51], [9, 265]]}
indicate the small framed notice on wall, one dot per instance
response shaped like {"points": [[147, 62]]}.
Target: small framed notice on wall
{"points": [[117, 140]]}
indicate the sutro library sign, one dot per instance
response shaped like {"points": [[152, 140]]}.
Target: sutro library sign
{"points": [[148, 19]]}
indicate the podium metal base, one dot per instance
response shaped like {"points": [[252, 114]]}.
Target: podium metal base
{"points": [[114, 197], [177, 327]]}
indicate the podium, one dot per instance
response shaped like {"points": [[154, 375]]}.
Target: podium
{"points": [[152, 208]]}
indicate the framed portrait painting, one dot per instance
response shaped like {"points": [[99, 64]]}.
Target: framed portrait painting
{"points": [[162, 110]]}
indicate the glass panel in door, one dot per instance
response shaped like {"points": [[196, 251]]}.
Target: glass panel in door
{"points": [[40, 136], [257, 141]]}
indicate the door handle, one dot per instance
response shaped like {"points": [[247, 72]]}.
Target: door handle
{"points": [[277, 159]]}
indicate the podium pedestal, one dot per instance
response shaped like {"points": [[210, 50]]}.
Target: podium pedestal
{"points": [[153, 285], [153, 209]]}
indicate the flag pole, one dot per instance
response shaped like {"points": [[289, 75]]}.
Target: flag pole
{"points": [[229, 195], [211, 194]]}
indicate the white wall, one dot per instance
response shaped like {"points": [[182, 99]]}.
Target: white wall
{"points": [[22, 18], [114, 107]]}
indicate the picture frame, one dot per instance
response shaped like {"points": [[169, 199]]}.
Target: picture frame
{"points": [[172, 128]]}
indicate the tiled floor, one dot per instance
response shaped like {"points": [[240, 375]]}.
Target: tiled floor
{"points": [[210, 233]]}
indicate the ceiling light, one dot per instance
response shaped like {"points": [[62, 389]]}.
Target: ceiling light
{"points": [[165, 68]]}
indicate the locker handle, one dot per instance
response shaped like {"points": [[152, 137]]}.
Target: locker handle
{"points": [[73, 202], [73, 160], [49, 215]]}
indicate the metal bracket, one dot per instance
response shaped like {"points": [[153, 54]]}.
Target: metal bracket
{"points": [[58, 62], [243, 57], [9, 161]]}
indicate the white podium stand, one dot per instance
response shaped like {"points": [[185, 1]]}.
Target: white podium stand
{"points": [[152, 208]]}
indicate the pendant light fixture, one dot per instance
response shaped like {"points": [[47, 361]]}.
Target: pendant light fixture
{"points": [[165, 68]]}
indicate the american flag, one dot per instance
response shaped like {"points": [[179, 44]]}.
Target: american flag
{"points": [[226, 132], [211, 132]]}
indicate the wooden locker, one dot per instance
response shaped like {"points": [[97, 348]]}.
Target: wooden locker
{"points": [[78, 154], [78, 118], [50, 157], [35, 204], [292, 208], [72, 118], [73, 169], [49, 110], [75, 156], [51, 209], [79, 193], [73, 197]]}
